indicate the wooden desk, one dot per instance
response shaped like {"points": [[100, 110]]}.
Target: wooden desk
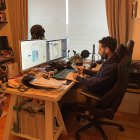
{"points": [[51, 107]]}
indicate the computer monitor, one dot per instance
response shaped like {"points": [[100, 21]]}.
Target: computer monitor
{"points": [[33, 53], [56, 49], [4, 45]]}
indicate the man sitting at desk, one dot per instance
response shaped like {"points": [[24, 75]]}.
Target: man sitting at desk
{"points": [[106, 77]]}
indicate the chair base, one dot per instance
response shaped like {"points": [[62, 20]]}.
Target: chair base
{"points": [[97, 124]]}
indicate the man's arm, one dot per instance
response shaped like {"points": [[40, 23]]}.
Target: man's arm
{"points": [[103, 77]]}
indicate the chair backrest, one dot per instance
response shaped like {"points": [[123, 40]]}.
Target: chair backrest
{"points": [[113, 98], [121, 51], [130, 46]]}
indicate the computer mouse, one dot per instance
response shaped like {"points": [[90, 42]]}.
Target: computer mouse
{"points": [[27, 79]]}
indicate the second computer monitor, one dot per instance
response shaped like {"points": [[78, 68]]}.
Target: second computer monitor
{"points": [[56, 49]]}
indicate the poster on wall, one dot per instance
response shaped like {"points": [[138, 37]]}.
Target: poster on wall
{"points": [[2, 5], [138, 9]]}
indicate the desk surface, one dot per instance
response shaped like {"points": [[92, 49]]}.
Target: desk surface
{"points": [[50, 94], [51, 107]]}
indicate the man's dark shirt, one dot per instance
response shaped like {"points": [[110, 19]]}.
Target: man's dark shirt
{"points": [[105, 77]]}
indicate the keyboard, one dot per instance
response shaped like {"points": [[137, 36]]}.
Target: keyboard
{"points": [[63, 73]]}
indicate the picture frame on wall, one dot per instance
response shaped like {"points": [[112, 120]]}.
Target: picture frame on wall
{"points": [[2, 5], [136, 9]]}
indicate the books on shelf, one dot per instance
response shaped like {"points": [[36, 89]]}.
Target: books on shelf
{"points": [[17, 109], [32, 124], [29, 119], [29, 123], [40, 125]]}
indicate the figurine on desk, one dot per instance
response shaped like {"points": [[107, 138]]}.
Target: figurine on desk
{"points": [[37, 32]]}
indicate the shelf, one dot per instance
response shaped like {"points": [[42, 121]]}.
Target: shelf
{"points": [[56, 133], [23, 136], [6, 60], [132, 90], [3, 22]]}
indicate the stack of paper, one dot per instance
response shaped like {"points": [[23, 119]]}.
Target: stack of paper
{"points": [[48, 83]]}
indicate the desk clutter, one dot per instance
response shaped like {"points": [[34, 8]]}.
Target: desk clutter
{"points": [[33, 81], [34, 113], [47, 77]]}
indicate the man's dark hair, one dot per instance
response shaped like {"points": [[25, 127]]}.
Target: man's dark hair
{"points": [[37, 32], [109, 42]]}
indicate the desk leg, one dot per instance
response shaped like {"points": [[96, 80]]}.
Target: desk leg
{"points": [[9, 119], [48, 120], [60, 119]]}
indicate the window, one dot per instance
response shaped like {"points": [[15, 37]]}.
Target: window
{"points": [[83, 22], [87, 24], [51, 14]]}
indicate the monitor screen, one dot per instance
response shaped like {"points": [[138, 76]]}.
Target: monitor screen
{"points": [[33, 53], [56, 49], [4, 45]]}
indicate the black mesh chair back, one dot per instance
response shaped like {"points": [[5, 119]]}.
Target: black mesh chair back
{"points": [[113, 98], [108, 104]]}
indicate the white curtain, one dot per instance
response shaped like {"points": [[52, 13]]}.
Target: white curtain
{"points": [[51, 14]]}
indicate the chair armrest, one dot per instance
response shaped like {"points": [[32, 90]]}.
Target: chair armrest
{"points": [[90, 94]]}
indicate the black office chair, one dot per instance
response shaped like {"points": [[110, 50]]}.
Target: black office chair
{"points": [[103, 112]]}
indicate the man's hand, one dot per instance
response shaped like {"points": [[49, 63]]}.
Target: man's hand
{"points": [[75, 75], [80, 69], [72, 76]]}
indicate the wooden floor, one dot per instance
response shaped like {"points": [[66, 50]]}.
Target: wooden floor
{"points": [[130, 122]]}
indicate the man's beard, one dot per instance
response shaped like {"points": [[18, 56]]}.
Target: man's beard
{"points": [[104, 55]]}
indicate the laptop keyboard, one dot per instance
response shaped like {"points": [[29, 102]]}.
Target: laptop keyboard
{"points": [[63, 73]]}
